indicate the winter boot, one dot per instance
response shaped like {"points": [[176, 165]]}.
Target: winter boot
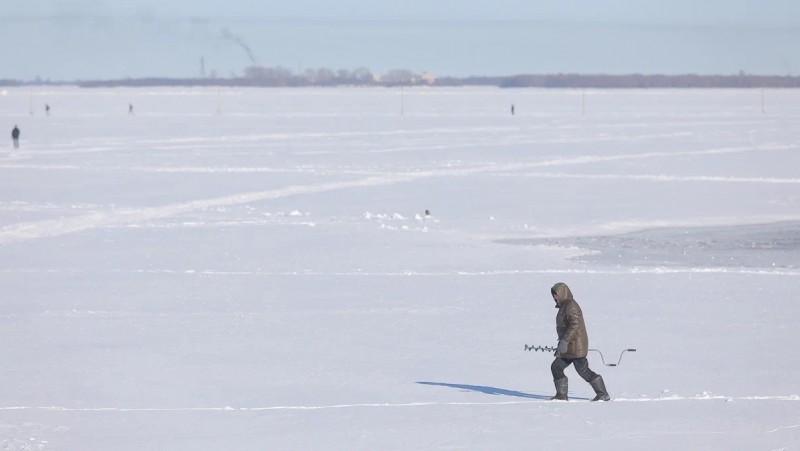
{"points": [[600, 388], [561, 389]]}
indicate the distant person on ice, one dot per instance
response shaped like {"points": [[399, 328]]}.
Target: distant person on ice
{"points": [[573, 345], [15, 136]]}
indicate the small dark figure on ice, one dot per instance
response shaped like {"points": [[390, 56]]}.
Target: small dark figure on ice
{"points": [[573, 345], [15, 136], [512, 109]]}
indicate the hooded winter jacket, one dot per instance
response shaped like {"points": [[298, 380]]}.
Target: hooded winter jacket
{"points": [[569, 322]]}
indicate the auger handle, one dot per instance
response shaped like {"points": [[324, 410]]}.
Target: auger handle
{"points": [[618, 360]]}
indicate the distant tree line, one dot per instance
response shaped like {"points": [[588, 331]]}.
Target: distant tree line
{"points": [[260, 76], [650, 81]]}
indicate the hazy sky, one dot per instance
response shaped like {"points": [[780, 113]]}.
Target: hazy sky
{"points": [[90, 39]]}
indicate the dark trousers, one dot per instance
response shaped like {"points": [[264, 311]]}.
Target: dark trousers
{"points": [[581, 366]]}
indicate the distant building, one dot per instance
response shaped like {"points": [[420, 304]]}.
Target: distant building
{"points": [[428, 78], [404, 77]]}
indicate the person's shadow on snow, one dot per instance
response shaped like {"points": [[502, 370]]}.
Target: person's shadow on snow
{"points": [[489, 390]]}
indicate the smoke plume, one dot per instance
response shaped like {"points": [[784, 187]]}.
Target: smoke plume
{"points": [[230, 36]]}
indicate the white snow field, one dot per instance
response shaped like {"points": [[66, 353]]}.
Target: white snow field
{"points": [[253, 269]]}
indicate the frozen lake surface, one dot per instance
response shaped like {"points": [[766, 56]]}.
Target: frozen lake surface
{"points": [[254, 269]]}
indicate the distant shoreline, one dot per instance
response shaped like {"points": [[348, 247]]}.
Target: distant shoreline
{"points": [[599, 81]]}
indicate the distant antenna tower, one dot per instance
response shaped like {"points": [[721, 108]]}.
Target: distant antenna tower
{"points": [[202, 67]]}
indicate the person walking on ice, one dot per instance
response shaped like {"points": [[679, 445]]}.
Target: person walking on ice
{"points": [[573, 345], [15, 136]]}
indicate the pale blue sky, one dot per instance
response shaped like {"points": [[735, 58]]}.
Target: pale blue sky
{"points": [[89, 39]]}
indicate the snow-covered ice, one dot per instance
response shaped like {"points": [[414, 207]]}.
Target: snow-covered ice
{"points": [[267, 277]]}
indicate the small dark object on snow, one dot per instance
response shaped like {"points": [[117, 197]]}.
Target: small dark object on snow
{"points": [[15, 136]]}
